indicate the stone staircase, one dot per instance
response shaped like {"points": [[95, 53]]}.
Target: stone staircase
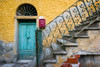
{"points": [[80, 38]]}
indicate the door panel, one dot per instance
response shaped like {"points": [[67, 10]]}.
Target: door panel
{"points": [[27, 49]]}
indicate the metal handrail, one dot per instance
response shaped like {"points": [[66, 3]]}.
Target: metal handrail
{"points": [[69, 20], [71, 17]]}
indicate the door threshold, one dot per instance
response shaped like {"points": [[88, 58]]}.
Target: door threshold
{"points": [[24, 61]]}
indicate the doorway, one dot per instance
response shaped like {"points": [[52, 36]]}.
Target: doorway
{"points": [[26, 24], [27, 48]]}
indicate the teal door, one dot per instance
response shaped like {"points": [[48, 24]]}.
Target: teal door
{"points": [[27, 49]]}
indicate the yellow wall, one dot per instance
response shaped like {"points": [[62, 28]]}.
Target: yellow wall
{"points": [[47, 8]]}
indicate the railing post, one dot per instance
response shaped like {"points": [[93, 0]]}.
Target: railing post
{"points": [[65, 23], [38, 34], [58, 27], [86, 8], [71, 17], [79, 13], [94, 6]]}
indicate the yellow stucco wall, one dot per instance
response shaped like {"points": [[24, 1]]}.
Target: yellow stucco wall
{"points": [[47, 8]]}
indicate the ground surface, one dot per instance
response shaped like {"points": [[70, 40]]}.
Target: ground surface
{"points": [[13, 65]]}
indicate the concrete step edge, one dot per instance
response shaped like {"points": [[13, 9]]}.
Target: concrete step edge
{"points": [[81, 36], [71, 45], [60, 53], [50, 61], [61, 41]]}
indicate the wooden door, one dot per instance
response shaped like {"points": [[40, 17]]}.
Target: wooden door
{"points": [[27, 49]]}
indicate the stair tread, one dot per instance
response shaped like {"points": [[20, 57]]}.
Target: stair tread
{"points": [[61, 40], [60, 52], [93, 28], [81, 36], [71, 44], [50, 61], [85, 36], [98, 19], [24, 61], [75, 30], [68, 35]]}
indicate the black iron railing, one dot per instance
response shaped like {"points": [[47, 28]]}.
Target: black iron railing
{"points": [[75, 15], [70, 18]]}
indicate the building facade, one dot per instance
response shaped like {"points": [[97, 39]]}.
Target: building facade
{"points": [[13, 17]]}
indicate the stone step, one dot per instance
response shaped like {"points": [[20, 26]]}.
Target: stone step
{"points": [[48, 65], [60, 53], [76, 36], [61, 41], [68, 36], [52, 61], [7, 65], [84, 32], [81, 36], [89, 28], [55, 47], [93, 28], [82, 52], [75, 30], [24, 61], [70, 45], [48, 52]]}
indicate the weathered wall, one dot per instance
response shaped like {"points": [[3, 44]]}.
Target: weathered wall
{"points": [[6, 53], [47, 8], [90, 61], [91, 44]]}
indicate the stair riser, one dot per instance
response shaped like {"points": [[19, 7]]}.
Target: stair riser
{"points": [[48, 65], [56, 47], [77, 32], [60, 43], [96, 24], [70, 46], [48, 53], [69, 39]]}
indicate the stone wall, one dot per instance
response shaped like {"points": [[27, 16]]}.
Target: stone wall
{"points": [[90, 61], [6, 53]]}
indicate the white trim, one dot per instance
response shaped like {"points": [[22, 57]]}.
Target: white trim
{"points": [[16, 41]]}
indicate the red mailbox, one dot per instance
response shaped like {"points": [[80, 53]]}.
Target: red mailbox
{"points": [[42, 23]]}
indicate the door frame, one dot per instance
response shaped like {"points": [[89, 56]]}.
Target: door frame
{"points": [[16, 32]]}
